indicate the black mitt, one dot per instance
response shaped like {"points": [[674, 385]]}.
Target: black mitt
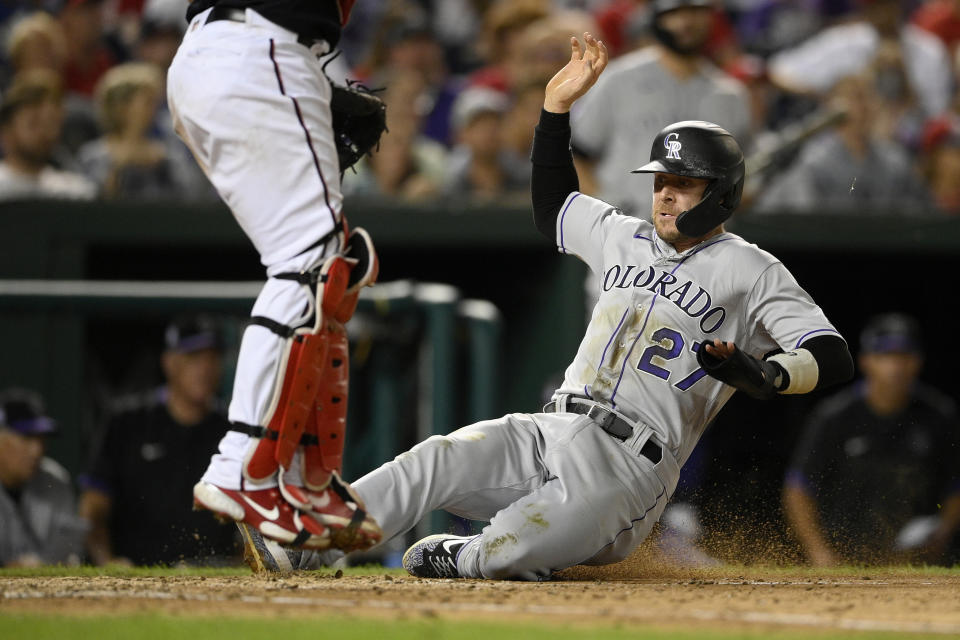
{"points": [[741, 370], [359, 119]]}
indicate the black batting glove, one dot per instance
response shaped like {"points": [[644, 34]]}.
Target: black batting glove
{"points": [[757, 378]]}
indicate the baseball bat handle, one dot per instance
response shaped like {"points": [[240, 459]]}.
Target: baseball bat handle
{"points": [[791, 137]]}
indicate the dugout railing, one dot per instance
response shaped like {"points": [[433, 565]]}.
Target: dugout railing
{"points": [[403, 329]]}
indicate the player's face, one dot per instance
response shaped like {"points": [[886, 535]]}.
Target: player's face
{"points": [[672, 195], [194, 375], [892, 374], [689, 26], [20, 456]]}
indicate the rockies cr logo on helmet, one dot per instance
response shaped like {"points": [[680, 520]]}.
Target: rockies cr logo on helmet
{"points": [[672, 144]]}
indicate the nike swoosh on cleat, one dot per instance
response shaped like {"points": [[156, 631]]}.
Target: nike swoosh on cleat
{"points": [[273, 514], [448, 543]]}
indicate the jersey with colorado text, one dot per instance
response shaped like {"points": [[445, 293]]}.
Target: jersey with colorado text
{"points": [[656, 307]]}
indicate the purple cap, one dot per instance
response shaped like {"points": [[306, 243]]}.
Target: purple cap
{"points": [[194, 333], [891, 333], [22, 411]]}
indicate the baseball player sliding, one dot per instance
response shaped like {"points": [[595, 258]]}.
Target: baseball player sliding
{"points": [[249, 97], [685, 316]]}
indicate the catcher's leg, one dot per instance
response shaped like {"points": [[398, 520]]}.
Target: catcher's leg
{"points": [[307, 411], [267, 355]]}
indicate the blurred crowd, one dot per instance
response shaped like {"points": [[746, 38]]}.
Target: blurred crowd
{"points": [[872, 82]]}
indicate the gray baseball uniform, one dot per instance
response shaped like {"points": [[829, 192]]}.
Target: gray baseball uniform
{"points": [[43, 522], [632, 101], [557, 489]]}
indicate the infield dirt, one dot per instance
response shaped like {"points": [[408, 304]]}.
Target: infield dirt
{"points": [[898, 600]]}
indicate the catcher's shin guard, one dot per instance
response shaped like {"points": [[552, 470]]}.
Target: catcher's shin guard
{"points": [[311, 398], [330, 417]]}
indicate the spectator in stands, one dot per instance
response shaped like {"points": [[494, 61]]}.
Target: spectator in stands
{"points": [[159, 31], [407, 165], [517, 126], [36, 41], [816, 64], [38, 521], [88, 56], [500, 38], [876, 474], [137, 494], [942, 19], [667, 81], [479, 167], [848, 169], [407, 44], [128, 161], [544, 45], [896, 112], [941, 162], [31, 115]]}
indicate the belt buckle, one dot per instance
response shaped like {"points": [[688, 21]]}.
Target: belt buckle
{"points": [[601, 415]]}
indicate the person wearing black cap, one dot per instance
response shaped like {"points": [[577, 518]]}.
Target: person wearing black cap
{"points": [[38, 522], [137, 492], [644, 90], [875, 477]]}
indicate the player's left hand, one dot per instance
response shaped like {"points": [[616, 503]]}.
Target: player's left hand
{"points": [[728, 364], [577, 76], [720, 349]]}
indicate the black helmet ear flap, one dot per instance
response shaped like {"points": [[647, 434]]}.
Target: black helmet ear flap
{"points": [[710, 212]]}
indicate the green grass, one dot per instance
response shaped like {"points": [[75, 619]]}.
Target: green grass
{"points": [[155, 627]]}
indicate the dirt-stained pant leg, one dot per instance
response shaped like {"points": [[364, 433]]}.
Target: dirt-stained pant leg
{"points": [[557, 490], [473, 472], [601, 501]]}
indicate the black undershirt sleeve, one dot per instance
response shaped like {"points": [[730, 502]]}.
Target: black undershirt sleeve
{"points": [[834, 362], [554, 176]]}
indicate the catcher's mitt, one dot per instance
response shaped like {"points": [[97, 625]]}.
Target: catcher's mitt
{"points": [[359, 119]]}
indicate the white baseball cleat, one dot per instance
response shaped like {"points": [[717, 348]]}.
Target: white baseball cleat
{"points": [[435, 556]]}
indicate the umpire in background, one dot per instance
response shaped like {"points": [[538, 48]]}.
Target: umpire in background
{"points": [[876, 475], [137, 492]]}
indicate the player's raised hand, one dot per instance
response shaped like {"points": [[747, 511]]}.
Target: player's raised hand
{"points": [[577, 76]]}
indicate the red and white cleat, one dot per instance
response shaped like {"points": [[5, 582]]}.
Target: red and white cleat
{"points": [[266, 511], [341, 511]]}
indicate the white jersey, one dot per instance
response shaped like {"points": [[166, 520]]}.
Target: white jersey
{"points": [[657, 306]]}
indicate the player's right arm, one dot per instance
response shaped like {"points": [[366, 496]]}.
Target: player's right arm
{"points": [[95, 508], [96, 501], [554, 176], [804, 473], [801, 510]]}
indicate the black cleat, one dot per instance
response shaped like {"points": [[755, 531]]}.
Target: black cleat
{"points": [[435, 556]]}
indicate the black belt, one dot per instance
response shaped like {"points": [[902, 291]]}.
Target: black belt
{"points": [[234, 14], [609, 422]]}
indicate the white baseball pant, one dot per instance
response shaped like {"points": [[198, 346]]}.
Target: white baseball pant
{"points": [[253, 105]]}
